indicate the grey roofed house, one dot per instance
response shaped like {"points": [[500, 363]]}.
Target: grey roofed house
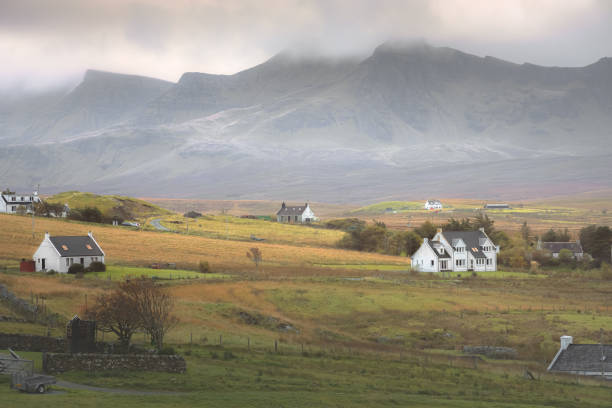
{"points": [[556, 247], [471, 239], [497, 205], [296, 214], [76, 246], [583, 359]]}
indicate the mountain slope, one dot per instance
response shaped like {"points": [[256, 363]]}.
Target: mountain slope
{"points": [[408, 119]]}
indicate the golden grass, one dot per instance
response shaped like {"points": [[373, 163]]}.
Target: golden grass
{"points": [[241, 229], [144, 247]]}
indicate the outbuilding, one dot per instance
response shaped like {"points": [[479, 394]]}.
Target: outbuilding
{"points": [[59, 253]]}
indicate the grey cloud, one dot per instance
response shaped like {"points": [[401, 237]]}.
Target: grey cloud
{"points": [[47, 41]]}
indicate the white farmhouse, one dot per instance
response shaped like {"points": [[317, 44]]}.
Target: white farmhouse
{"points": [[297, 215], [456, 251], [433, 205], [12, 203], [58, 253]]}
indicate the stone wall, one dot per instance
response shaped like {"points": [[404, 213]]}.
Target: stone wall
{"points": [[491, 351], [60, 362], [29, 342]]}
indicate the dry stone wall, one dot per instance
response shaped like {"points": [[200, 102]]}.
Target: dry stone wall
{"points": [[29, 342], [54, 363]]}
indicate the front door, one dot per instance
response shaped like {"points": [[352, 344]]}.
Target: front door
{"points": [[43, 263], [82, 261], [471, 264]]}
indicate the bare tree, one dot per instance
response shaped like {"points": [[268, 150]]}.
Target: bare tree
{"points": [[114, 313], [254, 254], [153, 304]]}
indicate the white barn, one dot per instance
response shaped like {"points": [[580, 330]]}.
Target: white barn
{"points": [[456, 251], [300, 214], [59, 253], [12, 203], [433, 205]]}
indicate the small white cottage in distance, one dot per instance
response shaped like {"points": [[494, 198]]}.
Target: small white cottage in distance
{"points": [[299, 214], [433, 205], [58, 253]]}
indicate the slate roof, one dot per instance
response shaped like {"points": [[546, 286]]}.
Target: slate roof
{"points": [[438, 254], [556, 247], [297, 210], [584, 357], [471, 239], [76, 246]]}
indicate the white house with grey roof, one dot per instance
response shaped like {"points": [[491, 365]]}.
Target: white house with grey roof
{"points": [[59, 253], [555, 248], [12, 203], [582, 359], [433, 205], [300, 214], [456, 251]]}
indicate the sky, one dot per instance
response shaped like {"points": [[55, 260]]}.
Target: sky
{"points": [[44, 43]]}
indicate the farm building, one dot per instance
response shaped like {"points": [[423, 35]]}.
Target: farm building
{"points": [[13, 203], [433, 205], [456, 251], [582, 359], [59, 253], [300, 214], [496, 206], [555, 248]]}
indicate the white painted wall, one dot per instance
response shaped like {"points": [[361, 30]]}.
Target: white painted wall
{"points": [[424, 259], [53, 260]]}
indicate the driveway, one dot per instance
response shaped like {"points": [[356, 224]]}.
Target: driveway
{"points": [[157, 224]]}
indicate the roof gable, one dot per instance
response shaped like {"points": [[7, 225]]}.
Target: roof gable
{"points": [[76, 246], [470, 238]]}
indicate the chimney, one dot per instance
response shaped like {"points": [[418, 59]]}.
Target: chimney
{"points": [[283, 206], [481, 229], [438, 230], [47, 235], [90, 234], [566, 341]]}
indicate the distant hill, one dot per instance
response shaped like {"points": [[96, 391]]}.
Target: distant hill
{"points": [[126, 208], [410, 119]]}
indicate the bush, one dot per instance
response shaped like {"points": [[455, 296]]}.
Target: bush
{"points": [[51, 272], [97, 267], [204, 267], [192, 214], [606, 271], [76, 268], [167, 350]]}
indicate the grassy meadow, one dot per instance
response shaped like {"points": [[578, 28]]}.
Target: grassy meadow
{"points": [[242, 229], [351, 328]]}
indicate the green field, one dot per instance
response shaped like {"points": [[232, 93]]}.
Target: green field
{"points": [[109, 205]]}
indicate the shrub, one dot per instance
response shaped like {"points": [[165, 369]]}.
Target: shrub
{"points": [[606, 271], [167, 350], [204, 267], [51, 272], [97, 267], [76, 268], [192, 214]]}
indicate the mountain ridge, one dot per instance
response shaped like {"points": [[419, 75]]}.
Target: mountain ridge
{"points": [[401, 109]]}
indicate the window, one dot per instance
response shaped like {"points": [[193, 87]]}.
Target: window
{"points": [[67, 261], [489, 261], [459, 262], [432, 262], [442, 250]]}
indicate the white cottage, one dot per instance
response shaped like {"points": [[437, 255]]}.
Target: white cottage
{"points": [[456, 251], [300, 214], [433, 205], [12, 203], [58, 253]]}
